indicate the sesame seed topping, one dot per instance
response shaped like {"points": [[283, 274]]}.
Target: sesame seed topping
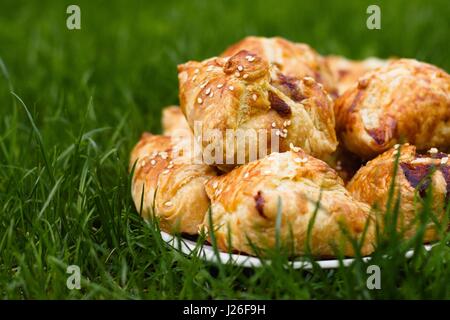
{"points": [[245, 76], [250, 58], [288, 123], [168, 203], [143, 163], [211, 94], [246, 175], [163, 155], [196, 71], [215, 184], [203, 84], [210, 67], [153, 162], [231, 88], [208, 91], [194, 77], [237, 74], [274, 124], [444, 160], [240, 68], [166, 171], [200, 100], [396, 146], [254, 97], [170, 166], [433, 150], [285, 131], [220, 85], [278, 132], [267, 172]]}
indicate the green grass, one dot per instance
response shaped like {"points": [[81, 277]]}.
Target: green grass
{"points": [[88, 94]]}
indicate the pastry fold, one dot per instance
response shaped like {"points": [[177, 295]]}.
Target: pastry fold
{"points": [[416, 173], [250, 100], [245, 203], [404, 101]]}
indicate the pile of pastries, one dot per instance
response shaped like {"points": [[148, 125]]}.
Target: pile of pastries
{"points": [[343, 128]]}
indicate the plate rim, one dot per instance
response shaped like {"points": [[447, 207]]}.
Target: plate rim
{"points": [[206, 253]]}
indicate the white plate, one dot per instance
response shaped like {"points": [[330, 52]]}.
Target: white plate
{"points": [[206, 252]]}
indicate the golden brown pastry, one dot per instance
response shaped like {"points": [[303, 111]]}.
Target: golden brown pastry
{"points": [[296, 60], [244, 204], [170, 184], [405, 100], [174, 123], [347, 72], [245, 94], [415, 174]]}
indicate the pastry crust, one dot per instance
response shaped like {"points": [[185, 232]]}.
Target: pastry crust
{"points": [[170, 183], [347, 72], [246, 93], [174, 123], [405, 101], [296, 60], [372, 183], [244, 204]]}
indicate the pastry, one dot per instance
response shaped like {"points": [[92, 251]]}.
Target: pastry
{"points": [[245, 202], [174, 123], [404, 101], [296, 60], [415, 174], [168, 184], [243, 108], [347, 72]]}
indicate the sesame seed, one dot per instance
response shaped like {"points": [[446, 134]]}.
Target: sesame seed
{"points": [[170, 166], [200, 100], [209, 68], [267, 172], [196, 71], [231, 88], [433, 150], [285, 131], [245, 76], [211, 94], [163, 155], [208, 91], [220, 85], [246, 175], [215, 184], [254, 97], [288, 123], [240, 68], [166, 171], [153, 162], [237, 74], [444, 160], [396, 146], [168, 203], [203, 84], [278, 132], [143, 163], [194, 77], [274, 124]]}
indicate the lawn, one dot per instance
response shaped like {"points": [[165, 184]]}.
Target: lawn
{"points": [[74, 102]]}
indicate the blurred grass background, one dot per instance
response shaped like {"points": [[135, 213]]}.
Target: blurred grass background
{"points": [[91, 92]]}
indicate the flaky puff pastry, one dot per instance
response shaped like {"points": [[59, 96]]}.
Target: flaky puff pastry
{"points": [[246, 93], [405, 100], [415, 174], [346, 72], [296, 60], [174, 123], [169, 182], [244, 205]]}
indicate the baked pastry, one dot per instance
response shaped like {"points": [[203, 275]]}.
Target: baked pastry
{"points": [[244, 206], [174, 123], [296, 60], [347, 72], [246, 108], [404, 101], [168, 184], [345, 163], [415, 174]]}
